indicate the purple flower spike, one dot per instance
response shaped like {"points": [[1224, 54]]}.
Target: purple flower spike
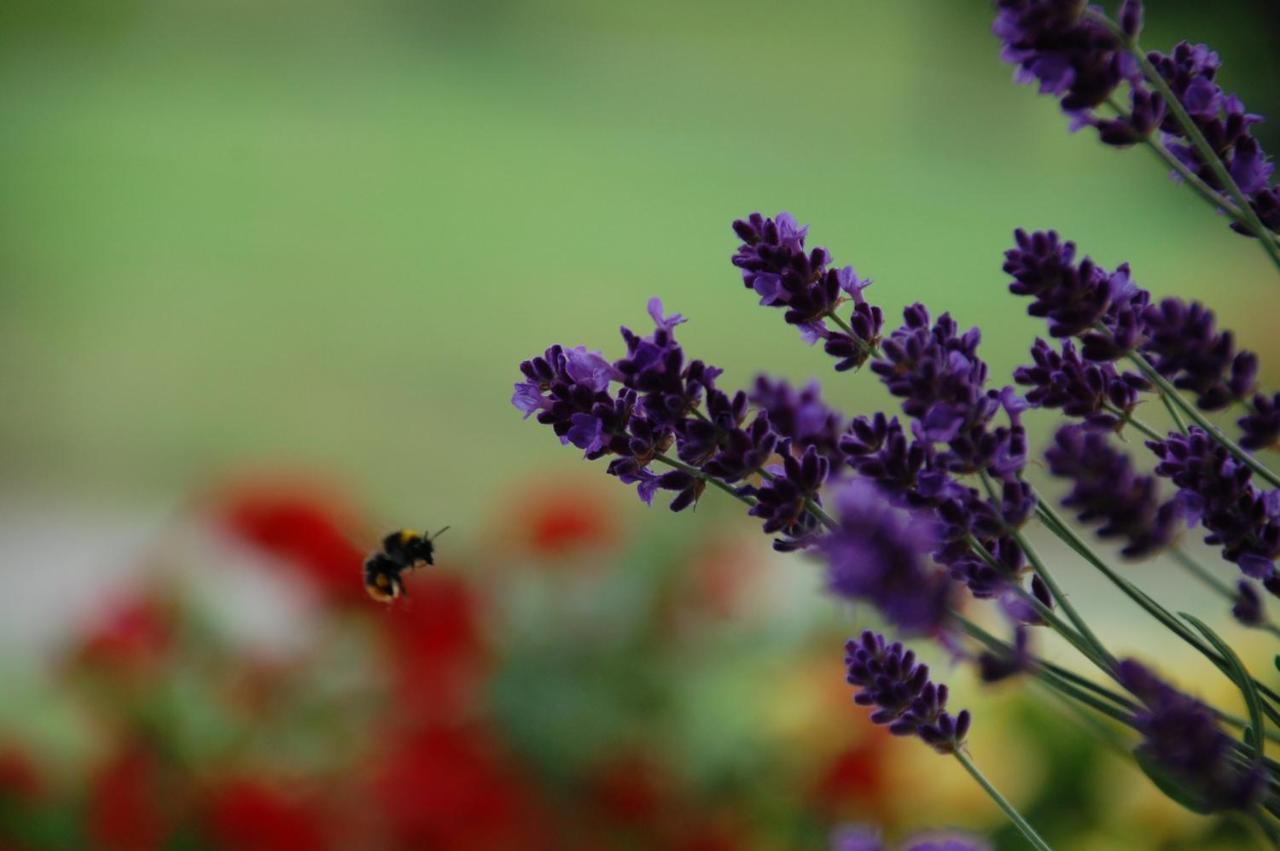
{"points": [[879, 554], [782, 501], [946, 842], [1217, 491], [890, 679], [1260, 428], [1106, 488], [801, 417], [1184, 346], [1053, 42], [1191, 71], [564, 388], [1181, 736], [1093, 392], [1248, 606], [856, 837], [993, 668], [778, 267]]}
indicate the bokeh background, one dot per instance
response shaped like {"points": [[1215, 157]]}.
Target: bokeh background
{"points": [[309, 241]]}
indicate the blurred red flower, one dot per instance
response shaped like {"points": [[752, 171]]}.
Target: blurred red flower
{"points": [[130, 638], [19, 778], [124, 812], [247, 814], [557, 520], [628, 790], [448, 788], [435, 647], [300, 526], [853, 781]]}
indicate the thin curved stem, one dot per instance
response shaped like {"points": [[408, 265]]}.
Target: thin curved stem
{"points": [[1218, 586], [1207, 192], [1200, 572], [1024, 827], [698, 474], [1068, 535], [1174, 413], [1130, 419], [1098, 648], [1171, 392], [1095, 654]]}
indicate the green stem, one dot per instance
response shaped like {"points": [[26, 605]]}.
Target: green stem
{"points": [[698, 474], [1207, 192], [1174, 413], [1200, 419], [1046, 614], [1023, 826], [1056, 525], [866, 345], [1099, 649], [1066, 675], [1130, 419], [1202, 573]]}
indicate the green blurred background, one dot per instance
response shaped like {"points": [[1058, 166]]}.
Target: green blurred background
{"points": [[322, 234]]}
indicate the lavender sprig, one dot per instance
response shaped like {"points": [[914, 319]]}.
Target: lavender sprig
{"points": [[1181, 737], [1084, 58]]}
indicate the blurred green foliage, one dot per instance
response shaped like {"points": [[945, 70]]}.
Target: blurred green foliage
{"points": [[322, 234]]}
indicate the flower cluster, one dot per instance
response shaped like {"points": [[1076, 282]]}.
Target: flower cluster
{"points": [[1191, 71], [907, 701], [1106, 488], [1085, 61], [665, 401], [1184, 346], [1181, 737], [1217, 490], [879, 553], [1113, 316], [1072, 56], [775, 263], [1260, 427], [1092, 391]]}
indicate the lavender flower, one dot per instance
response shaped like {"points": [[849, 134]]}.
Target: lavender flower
{"points": [[890, 679], [1179, 338], [937, 373], [1217, 491], [1074, 297], [1184, 347], [783, 500], [1094, 392], [993, 668], [776, 264], [802, 418], [1248, 605], [1105, 487], [861, 838], [1080, 60], [1181, 737], [1055, 43], [1260, 427], [946, 842], [564, 387], [878, 553], [1191, 72]]}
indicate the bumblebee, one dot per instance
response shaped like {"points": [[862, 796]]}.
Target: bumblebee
{"points": [[401, 551]]}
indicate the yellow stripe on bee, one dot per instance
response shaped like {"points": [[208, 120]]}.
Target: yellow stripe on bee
{"points": [[407, 535]]}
